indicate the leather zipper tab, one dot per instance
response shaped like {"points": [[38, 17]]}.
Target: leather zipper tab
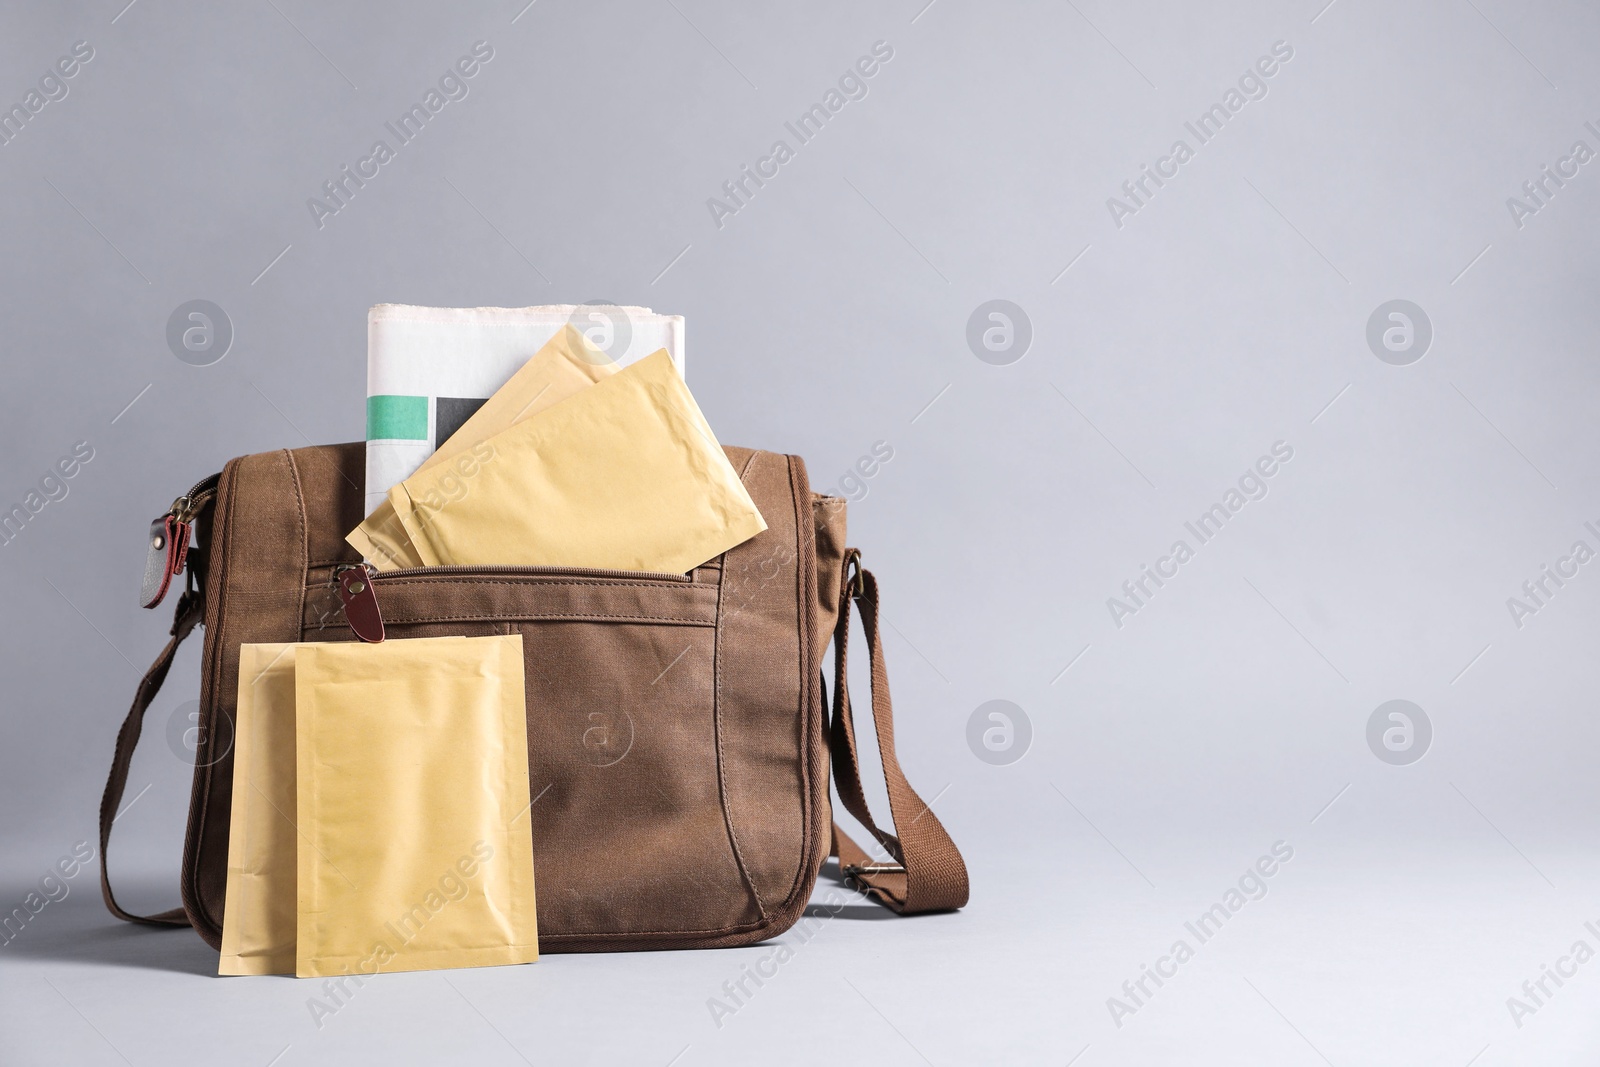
{"points": [[167, 550], [360, 603], [165, 554]]}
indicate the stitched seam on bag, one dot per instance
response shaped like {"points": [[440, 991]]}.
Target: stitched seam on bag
{"points": [[200, 801], [305, 533], [793, 907], [622, 935], [563, 583], [806, 624], [496, 616], [716, 732]]}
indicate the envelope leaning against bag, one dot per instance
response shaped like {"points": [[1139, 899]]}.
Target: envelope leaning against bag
{"points": [[412, 785]]}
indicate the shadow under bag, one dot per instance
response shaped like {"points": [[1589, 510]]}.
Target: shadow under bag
{"points": [[678, 743]]}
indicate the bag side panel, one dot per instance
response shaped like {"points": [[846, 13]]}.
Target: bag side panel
{"points": [[254, 592], [769, 693], [829, 513]]}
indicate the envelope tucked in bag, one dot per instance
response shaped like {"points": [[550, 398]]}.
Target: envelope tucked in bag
{"points": [[567, 364], [625, 475]]}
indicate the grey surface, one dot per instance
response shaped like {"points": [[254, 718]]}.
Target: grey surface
{"points": [[832, 312]]}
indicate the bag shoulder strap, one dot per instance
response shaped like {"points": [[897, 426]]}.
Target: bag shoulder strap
{"points": [[190, 609], [928, 873]]}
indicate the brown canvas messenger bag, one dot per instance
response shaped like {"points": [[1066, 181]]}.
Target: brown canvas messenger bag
{"points": [[678, 742]]}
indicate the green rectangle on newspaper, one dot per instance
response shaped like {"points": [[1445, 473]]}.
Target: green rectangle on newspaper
{"points": [[397, 418]]}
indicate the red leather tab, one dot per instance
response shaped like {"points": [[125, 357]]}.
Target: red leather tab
{"points": [[361, 604], [166, 553], [179, 551]]}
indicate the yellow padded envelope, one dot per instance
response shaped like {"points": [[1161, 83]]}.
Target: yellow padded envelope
{"points": [[623, 475], [258, 922], [412, 778], [260, 916], [567, 364]]}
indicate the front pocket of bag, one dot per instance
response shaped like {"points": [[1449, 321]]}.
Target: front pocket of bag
{"points": [[630, 836]]}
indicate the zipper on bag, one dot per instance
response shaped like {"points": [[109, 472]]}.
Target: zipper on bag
{"points": [[187, 506]]}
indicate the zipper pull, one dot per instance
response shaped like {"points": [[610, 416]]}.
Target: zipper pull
{"points": [[360, 602]]}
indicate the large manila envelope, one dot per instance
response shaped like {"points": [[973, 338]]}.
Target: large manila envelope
{"points": [[567, 364], [625, 475]]}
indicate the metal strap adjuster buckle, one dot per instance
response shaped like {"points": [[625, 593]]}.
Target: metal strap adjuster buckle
{"points": [[852, 871], [852, 571]]}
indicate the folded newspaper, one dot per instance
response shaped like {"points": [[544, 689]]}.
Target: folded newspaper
{"points": [[430, 369]]}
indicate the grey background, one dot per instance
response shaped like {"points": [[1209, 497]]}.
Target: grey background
{"points": [[828, 314]]}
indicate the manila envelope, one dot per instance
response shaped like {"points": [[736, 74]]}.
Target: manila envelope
{"points": [[260, 917], [567, 364], [625, 475]]}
